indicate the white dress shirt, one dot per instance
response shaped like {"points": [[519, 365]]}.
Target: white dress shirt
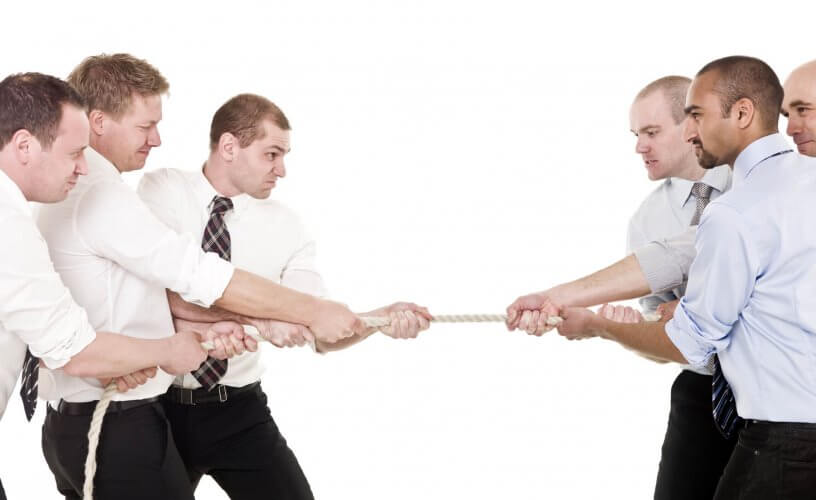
{"points": [[117, 259], [35, 307], [267, 239], [667, 212], [751, 296]]}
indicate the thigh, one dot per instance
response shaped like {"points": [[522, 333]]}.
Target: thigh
{"points": [[252, 460], [753, 473], [2, 492], [694, 453], [136, 457]]}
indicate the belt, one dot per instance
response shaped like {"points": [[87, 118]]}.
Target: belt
{"points": [[218, 394], [87, 408]]}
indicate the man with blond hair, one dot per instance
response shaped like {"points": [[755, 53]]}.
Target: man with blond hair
{"points": [[117, 259], [236, 441]]}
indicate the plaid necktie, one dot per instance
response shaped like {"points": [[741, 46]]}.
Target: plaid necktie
{"points": [[723, 405], [216, 239], [28, 386]]}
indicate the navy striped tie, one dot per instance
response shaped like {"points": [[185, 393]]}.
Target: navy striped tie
{"points": [[28, 386], [216, 239], [724, 407]]}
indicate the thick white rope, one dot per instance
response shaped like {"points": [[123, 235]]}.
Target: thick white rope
{"points": [[370, 321]]}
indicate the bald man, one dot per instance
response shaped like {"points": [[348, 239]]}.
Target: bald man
{"points": [[799, 107]]}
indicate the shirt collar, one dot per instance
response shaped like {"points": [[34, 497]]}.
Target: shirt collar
{"points": [[205, 192], [100, 166], [718, 178], [756, 152], [15, 194]]}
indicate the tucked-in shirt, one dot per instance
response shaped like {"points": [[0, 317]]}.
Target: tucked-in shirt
{"points": [[751, 295], [117, 259], [267, 239], [667, 212], [35, 306]]}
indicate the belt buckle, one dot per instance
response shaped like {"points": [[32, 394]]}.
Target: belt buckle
{"points": [[189, 399], [222, 393]]}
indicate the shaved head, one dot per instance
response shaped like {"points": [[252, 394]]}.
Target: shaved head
{"points": [[799, 106]]}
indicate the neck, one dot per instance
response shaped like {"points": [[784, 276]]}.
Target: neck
{"points": [[215, 171], [747, 140], [691, 170], [98, 145]]}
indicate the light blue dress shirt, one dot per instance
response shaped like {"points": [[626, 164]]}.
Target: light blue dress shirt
{"points": [[751, 295]]}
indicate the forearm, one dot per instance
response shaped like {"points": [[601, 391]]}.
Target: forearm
{"points": [[112, 355], [324, 347], [253, 296], [621, 281], [184, 310], [647, 338]]}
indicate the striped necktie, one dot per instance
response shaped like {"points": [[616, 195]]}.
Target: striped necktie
{"points": [[28, 386], [216, 239]]}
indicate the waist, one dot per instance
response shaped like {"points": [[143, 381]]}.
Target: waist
{"points": [[797, 428], [88, 407], [218, 394]]}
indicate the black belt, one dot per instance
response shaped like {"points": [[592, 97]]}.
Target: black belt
{"points": [[218, 394], [87, 408]]}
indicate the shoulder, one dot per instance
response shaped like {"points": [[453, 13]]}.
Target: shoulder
{"points": [[164, 180], [655, 200]]}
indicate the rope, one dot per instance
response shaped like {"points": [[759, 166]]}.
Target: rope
{"points": [[370, 321]]}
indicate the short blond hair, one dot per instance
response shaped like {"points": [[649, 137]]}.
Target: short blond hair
{"points": [[108, 82], [243, 117], [674, 89]]}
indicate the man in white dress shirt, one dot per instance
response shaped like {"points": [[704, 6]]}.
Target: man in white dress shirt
{"points": [[117, 259], [43, 136], [236, 440]]}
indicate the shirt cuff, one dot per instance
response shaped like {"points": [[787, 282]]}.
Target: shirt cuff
{"points": [[82, 336], [210, 280], [657, 263], [685, 335]]}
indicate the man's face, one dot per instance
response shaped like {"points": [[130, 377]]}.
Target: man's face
{"points": [[799, 106], [257, 167], [660, 141], [56, 170], [713, 138], [129, 139]]}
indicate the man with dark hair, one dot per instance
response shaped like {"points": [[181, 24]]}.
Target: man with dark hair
{"points": [[748, 308], [43, 135], [117, 259], [692, 447], [236, 441]]}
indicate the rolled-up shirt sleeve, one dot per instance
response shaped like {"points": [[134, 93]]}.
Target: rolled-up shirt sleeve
{"points": [[721, 280], [115, 223], [666, 262], [34, 303]]}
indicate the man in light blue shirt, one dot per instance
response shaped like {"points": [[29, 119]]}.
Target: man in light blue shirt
{"points": [[751, 296]]}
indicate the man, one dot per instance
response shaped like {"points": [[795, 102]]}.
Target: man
{"points": [[748, 308], [43, 135], [692, 445], [236, 441], [117, 259], [799, 107]]}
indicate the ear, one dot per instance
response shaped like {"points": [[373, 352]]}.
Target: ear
{"points": [[98, 122], [744, 112], [25, 146], [227, 145]]}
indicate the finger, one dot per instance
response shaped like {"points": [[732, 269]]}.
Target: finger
{"points": [[605, 311], [533, 323], [150, 372], [237, 344], [219, 351], [424, 324], [512, 317], [130, 380], [121, 386], [250, 343], [139, 377], [524, 320], [413, 324]]}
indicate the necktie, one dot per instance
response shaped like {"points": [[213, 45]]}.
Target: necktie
{"points": [[28, 387], [723, 405], [216, 239], [702, 193]]}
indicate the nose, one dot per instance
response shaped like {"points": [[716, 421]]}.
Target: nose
{"points": [[640, 145], [153, 137], [81, 166], [280, 168], [794, 125], [690, 130]]}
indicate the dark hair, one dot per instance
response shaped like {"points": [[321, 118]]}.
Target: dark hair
{"points": [[242, 117], [674, 88], [33, 101], [742, 77], [108, 82]]}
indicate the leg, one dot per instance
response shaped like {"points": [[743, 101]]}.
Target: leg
{"points": [[694, 452], [137, 457], [239, 445], [2, 492]]}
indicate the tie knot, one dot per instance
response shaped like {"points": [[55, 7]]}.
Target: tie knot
{"points": [[221, 204], [701, 191]]}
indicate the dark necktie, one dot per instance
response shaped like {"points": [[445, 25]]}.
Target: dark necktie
{"points": [[723, 405], [28, 386], [216, 239]]}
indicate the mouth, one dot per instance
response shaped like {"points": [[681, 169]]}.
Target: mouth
{"points": [[650, 163], [801, 144]]}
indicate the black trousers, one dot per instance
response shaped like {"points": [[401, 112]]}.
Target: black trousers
{"points": [[2, 492], [137, 458], [694, 452], [238, 444], [772, 461]]}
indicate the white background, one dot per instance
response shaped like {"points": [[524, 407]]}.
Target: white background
{"points": [[456, 154]]}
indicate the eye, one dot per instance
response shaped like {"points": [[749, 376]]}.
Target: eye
{"points": [[801, 110], [272, 155], [651, 133]]}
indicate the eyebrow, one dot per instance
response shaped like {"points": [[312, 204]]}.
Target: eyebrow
{"points": [[275, 146], [799, 102], [645, 128], [689, 109]]}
